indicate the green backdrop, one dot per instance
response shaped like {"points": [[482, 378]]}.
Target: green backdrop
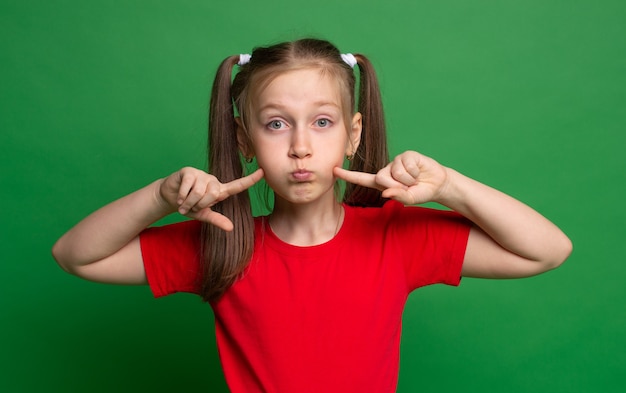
{"points": [[98, 98]]}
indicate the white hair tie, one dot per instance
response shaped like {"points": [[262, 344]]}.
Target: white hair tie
{"points": [[244, 59], [349, 59]]}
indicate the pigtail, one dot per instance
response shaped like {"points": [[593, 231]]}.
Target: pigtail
{"points": [[225, 254], [372, 153]]}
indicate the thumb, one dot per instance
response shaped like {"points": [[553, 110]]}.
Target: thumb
{"points": [[212, 217]]}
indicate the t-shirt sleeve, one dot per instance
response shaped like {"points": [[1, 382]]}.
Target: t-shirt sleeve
{"points": [[171, 257], [434, 244]]}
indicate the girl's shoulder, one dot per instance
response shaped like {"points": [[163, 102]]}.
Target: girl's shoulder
{"points": [[393, 210], [394, 218]]}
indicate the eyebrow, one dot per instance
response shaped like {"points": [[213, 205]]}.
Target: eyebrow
{"points": [[318, 104]]}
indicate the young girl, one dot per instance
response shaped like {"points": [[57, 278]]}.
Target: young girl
{"points": [[309, 298]]}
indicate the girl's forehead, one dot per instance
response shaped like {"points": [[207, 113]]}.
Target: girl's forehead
{"points": [[314, 84], [302, 79]]}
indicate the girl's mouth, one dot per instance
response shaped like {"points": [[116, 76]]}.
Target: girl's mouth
{"points": [[301, 175]]}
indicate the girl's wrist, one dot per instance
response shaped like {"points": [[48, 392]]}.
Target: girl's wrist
{"points": [[451, 192], [163, 207]]}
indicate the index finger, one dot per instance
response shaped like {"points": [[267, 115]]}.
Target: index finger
{"points": [[360, 178], [238, 185]]}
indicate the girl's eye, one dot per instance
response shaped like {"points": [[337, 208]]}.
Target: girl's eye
{"points": [[322, 123], [275, 124]]}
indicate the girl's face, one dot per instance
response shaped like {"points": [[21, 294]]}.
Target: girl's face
{"points": [[299, 134]]}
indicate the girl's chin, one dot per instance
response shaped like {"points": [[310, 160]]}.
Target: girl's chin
{"points": [[303, 194]]}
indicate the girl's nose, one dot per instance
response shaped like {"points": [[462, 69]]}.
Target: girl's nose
{"points": [[300, 144]]}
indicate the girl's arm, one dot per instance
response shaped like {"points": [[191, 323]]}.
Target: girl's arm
{"points": [[509, 240], [104, 246]]}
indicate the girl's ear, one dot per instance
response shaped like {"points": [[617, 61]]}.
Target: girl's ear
{"points": [[243, 140], [355, 134]]}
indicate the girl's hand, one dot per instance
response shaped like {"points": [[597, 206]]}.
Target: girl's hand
{"points": [[508, 239], [105, 247], [193, 192], [411, 178]]}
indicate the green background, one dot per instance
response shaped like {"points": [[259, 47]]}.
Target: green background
{"points": [[98, 98]]}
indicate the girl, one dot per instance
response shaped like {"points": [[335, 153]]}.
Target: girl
{"points": [[309, 298]]}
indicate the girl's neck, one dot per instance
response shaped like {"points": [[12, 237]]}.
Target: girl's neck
{"points": [[307, 224]]}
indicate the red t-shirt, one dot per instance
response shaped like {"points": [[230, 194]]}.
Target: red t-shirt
{"points": [[325, 318]]}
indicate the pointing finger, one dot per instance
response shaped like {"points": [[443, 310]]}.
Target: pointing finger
{"points": [[386, 180], [238, 185], [359, 178]]}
